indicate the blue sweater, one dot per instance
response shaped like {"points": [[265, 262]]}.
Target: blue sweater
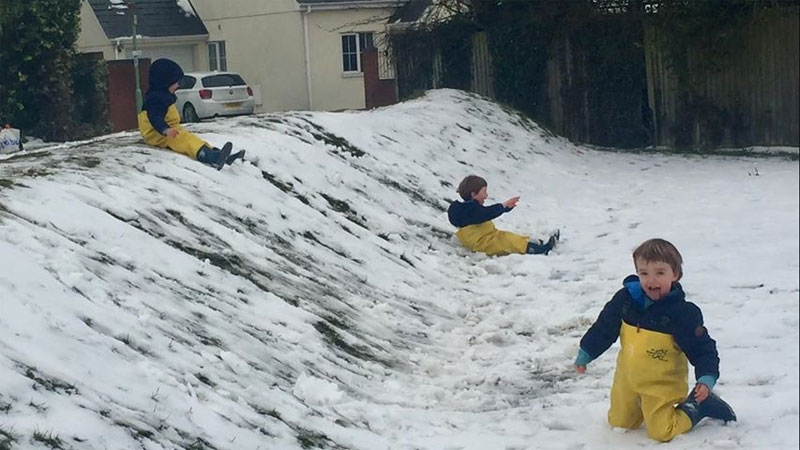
{"points": [[470, 212]]}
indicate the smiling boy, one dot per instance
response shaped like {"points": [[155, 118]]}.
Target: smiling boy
{"points": [[477, 232], [658, 331]]}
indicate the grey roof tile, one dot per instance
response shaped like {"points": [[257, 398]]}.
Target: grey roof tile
{"points": [[157, 18]]}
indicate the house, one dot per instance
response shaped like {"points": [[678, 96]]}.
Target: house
{"points": [[300, 54], [165, 28], [295, 54]]}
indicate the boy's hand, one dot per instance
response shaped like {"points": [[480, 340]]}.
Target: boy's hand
{"points": [[512, 202], [580, 369], [172, 132], [701, 392]]}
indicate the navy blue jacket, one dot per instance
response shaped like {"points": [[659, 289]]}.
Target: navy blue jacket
{"points": [[470, 212], [163, 74], [672, 315]]}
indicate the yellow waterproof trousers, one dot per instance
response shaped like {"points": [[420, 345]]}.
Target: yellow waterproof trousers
{"points": [[485, 238], [185, 142], [649, 381]]}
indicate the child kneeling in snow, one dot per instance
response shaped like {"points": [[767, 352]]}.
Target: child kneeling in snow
{"points": [[159, 120], [477, 232], [658, 331]]}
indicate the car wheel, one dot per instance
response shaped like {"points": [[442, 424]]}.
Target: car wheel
{"points": [[190, 114]]}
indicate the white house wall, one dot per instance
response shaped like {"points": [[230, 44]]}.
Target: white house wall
{"points": [[264, 43], [332, 89], [92, 38]]}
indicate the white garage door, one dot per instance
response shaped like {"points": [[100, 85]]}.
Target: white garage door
{"points": [[181, 54]]}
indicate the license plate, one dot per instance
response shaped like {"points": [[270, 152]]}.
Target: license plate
{"points": [[233, 105]]}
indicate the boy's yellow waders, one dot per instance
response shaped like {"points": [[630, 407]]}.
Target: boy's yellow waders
{"points": [[649, 381], [185, 142], [485, 238]]}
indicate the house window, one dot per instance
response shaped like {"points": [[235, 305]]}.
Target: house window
{"points": [[216, 56], [353, 44]]}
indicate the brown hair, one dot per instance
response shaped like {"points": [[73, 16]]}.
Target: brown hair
{"points": [[659, 250], [470, 185]]}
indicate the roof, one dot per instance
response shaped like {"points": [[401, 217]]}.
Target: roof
{"points": [[333, 4], [156, 18], [411, 12]]}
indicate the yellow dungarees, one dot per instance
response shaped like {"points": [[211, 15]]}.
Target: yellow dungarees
{"points": [[649, 381], [485, 238], [185, 142]]}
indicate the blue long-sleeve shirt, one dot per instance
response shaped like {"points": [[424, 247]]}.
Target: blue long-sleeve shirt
{"points": [[471, 212]]}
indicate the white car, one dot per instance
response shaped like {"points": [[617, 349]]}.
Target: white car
{"points": [[211, 94]]}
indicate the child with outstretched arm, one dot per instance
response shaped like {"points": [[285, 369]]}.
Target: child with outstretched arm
{"points": [[477, 232], [660, 333]]}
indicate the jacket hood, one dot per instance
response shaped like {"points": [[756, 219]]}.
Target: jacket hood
{"points": [[164, 73], [634, 288]]}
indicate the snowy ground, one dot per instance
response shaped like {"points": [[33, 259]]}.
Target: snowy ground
{"points": [[315, 297]]}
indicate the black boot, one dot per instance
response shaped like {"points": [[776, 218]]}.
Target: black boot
{"points": [[712, 406], [234, 157], [538, 248], [214, 157]]}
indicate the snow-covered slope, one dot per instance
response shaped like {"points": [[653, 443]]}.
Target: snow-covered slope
{"points": [[315, 297]]}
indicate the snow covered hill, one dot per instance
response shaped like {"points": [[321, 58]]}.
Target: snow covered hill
{"points": [[315, 297]]}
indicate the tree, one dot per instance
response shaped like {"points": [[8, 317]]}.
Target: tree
{"points": [[37, 38]]}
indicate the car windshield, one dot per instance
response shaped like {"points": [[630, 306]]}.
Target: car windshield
{"points": [[229, 79]]}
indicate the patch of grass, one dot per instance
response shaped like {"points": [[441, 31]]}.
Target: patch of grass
{"points": [[205, 380], [6, 183], [311, 439], [199, 444], [87, 161], [48, 439], [341, 144], [332, 337], [266, 412], [413, 193], [39, 407], [48, 383], [7, 438], [35, 172], [135, 432], [406, 260], [344, 208], [127, 340], [284, 187]]}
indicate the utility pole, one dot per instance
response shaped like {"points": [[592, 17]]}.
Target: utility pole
{"points": [[136, 54]]}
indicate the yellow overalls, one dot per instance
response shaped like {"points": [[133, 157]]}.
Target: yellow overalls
{"points": [[185, 142], [649, 381], [485, 238]]}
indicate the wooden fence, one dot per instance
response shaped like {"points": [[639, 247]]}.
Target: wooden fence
{"points": [[751, 100]]}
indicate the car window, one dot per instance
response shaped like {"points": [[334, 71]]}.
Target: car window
{"points": [[187, 82], [228, 79]]}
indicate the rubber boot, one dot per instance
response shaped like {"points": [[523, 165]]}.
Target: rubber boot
{"points": [[713, 407], [214, 157], [234, 156], [538, 248]]}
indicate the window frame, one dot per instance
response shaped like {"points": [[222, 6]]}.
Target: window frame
{"points": [[219, 61], [360, 39]]}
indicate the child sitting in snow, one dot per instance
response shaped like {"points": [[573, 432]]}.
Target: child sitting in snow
{"points": [[476, 230], [159, 121], [658, 331]]}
